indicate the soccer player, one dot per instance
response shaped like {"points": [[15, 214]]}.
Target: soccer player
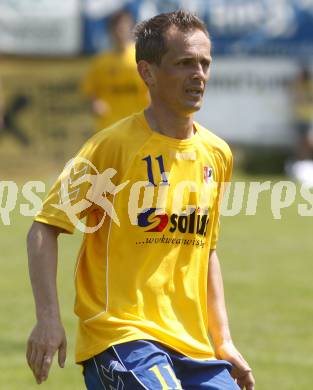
{"points": [[112, 83], [148, 281]]}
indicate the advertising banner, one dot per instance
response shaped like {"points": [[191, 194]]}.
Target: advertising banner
{"points": [[280, 27], [40, 27], [248, 101], [46, 112]]}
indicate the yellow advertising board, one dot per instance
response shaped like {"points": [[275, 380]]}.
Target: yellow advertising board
{"points": [[45, 110]]}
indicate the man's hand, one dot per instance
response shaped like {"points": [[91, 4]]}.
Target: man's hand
{"points": [[45, 339], [241, 371]]}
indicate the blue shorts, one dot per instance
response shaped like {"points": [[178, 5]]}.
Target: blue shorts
{"points": [[149, 365]]}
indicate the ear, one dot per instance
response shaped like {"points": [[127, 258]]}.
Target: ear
{"points": [[146, 72]]}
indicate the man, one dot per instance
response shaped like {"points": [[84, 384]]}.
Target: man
{"points": [[149, 286], [112, 82]]}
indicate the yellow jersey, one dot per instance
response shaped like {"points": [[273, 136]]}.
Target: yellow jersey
{"points": [[142, 272], [113, 78]]}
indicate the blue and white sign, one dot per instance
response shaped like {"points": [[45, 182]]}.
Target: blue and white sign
{"points": [[237, 26]]}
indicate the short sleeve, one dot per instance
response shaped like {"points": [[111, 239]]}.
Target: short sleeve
{"points": [[69, 199]]}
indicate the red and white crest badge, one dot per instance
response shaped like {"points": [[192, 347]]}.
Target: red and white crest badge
{"points": [[207, 174]]}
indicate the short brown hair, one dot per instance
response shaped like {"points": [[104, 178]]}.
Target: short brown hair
{"points": [[149, 34], [117, 16]]}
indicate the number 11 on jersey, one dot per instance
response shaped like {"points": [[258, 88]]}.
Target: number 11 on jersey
{"points": [[160, 161]]}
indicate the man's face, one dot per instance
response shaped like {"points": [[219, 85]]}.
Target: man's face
{"points": [[121, 31], [179, 81]]}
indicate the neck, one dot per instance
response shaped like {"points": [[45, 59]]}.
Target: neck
{"points": [[121, 46], [168, 123]]}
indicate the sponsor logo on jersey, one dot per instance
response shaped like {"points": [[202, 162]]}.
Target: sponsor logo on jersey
{"points": [[77, 173], [195, 222], [207, 174]]}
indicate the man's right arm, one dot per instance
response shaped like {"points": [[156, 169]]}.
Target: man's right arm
{"points": [[48, 335]]}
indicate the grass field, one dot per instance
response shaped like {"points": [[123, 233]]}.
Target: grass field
{"points": [[267, 267]]}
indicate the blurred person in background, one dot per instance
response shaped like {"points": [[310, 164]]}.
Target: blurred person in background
{"points": [[113, 83], [302, 92], [1, 108], [302, 100]]}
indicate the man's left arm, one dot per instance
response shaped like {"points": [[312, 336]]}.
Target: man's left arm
{"points": [[219, 328]]}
